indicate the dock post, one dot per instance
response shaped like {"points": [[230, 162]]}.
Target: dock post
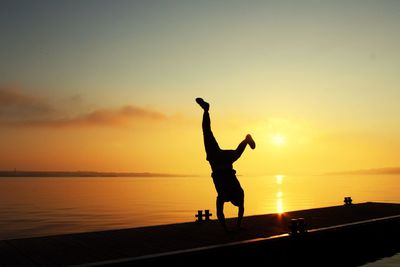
{"points": [[293, 227], [301, 225], [297, 227], [199, 216], [207, 215], [348, 201]]}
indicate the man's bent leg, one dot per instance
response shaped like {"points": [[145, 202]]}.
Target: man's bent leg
{"points": [[241, 147], [239, 150], [220, 213]]}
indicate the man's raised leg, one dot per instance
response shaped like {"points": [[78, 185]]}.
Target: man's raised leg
{"points": [[210, 143]]}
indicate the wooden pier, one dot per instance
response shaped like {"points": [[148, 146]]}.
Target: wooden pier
{"points": [[343, 235]]}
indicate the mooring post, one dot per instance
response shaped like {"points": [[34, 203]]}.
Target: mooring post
{"points": [[348, 201], [293, 227], [207, 215], [297, 227], [301, 225], [199, 216]]}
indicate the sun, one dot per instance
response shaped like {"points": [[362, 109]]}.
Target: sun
{"points": [[278, 139], [279, 179]]}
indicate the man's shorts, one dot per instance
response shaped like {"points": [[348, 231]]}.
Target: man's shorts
{"points": [[228, 187]]}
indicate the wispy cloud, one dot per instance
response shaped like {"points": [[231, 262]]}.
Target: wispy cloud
{"points": [[23, 110], [15, 104], [122, 116]]}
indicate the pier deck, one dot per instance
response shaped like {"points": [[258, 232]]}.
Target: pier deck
{"points": [[138, 245]]}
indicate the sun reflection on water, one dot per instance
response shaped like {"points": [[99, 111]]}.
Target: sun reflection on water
{"points": [[279, 194], [279, 206]]}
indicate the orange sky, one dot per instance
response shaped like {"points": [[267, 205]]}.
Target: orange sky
{"points": [[130, 138], [316, 84]]}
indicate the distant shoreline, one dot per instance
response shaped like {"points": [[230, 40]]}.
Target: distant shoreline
{"points": [[84, 174], [16, 173], [377, 171]]}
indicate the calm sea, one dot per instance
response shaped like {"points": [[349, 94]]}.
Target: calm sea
{"points": [[47, 206]]}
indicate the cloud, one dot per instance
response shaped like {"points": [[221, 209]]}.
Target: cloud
{"points": [[15, 105], [122, 116], [75, 99], [23, 110]]}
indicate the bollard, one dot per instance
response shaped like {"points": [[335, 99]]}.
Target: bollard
{"points": [[293, 227], [348, 201], [200, 216], [297, 227], [207, 215], [301, 225]]}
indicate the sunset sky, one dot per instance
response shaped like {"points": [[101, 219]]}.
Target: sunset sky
{"points": [[110, 85]]}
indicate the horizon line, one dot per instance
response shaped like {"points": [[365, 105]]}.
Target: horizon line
{"points": [[29, 173], [372, 171], [87, 173]]}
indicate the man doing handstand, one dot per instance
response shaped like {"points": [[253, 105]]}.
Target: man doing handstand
{"points": [[223, 174]]}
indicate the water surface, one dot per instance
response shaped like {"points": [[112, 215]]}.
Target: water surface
{"points": [[48, 206]]}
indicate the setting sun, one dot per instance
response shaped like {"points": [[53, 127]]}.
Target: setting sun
{"points": [[278, 139], [279, 179]]}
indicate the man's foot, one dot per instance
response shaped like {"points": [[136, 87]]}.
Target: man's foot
{"points": [[250, 141], [203, 104]]}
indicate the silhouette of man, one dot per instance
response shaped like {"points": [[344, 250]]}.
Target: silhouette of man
{"points": [[223, 174]]}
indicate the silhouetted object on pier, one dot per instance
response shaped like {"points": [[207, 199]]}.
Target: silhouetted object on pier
{"points": [[200, 215], [348, 201], [297, 227], [301, 225], [223, 174], [293, 227]]}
